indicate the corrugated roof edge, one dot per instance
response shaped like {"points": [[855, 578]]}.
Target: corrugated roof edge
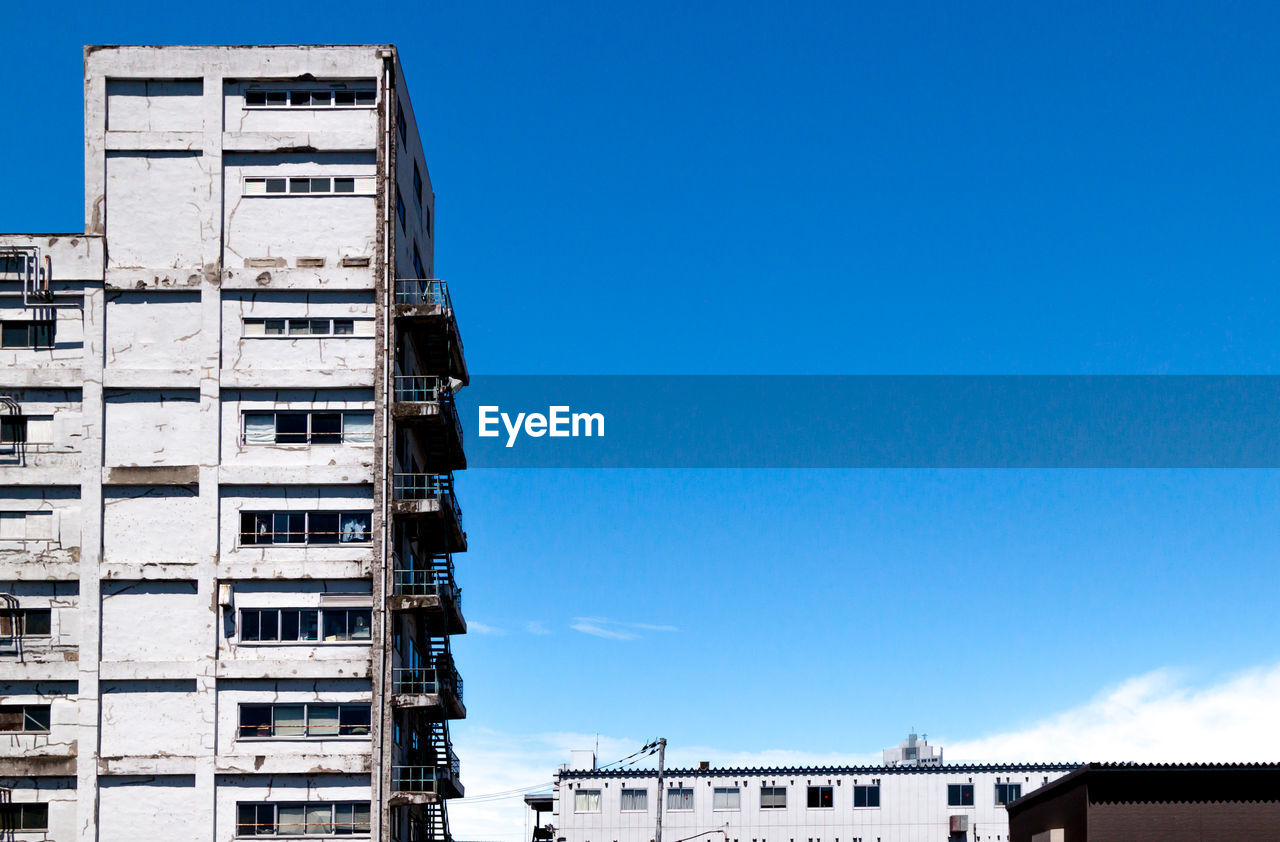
{"points": [[721, 771], [1053, 787]]}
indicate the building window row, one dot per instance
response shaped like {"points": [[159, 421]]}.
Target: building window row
{"points": [[308, 427], [305, 625], [775, 797], [350, 185], [28, 334], [310, 720], [308, 328], [327, 98], [26, 622], [24, 719], [310, 818], [258, 528]]}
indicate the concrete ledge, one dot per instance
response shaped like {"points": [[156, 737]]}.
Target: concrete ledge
{"points": [[334, 277], [38, 766], [149, 570], [29, 670], [152, 670], [39, 475], [151, 378], [335, 668], [296, 569], [294, 378], [53, 377], [154, 141], [293, 764], [38, 569], [185, 279], [151, 475], [301, 475], [149, 764], [366, 141]]}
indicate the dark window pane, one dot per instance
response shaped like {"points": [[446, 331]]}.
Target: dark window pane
{"points": [[36, 718], [249, 624], [247, 820], [299, 327], [299, 185], [13, 429], [255, 98], [324, 527], [366, 97], [275, 327], [326, 428], [335, 625], [873, 796], [319, 185], [299, 98], [344, 185], [320, 97], [320, 327], [36, 622], [344, 327], [42, 334], [35, 816], [14, 335], [359, 624], [291, 428], [353, 720], [269, 625], [275, 185], [255, 720], [291, 527], [344, 97], [277, 97], [288, 624], [309, 624]]}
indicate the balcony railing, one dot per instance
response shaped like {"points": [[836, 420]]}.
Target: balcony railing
{"points": [[421, 388], [427, 680], [424, 778], [412, 582], [427, 487], [423, 292]]}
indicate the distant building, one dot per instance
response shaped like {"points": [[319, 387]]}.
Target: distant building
{"points": [[911, 801], [913, 752], [1108, 802]]}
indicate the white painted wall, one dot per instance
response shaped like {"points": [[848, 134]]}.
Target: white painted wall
{"points": [[150, 524], [155, 621]]}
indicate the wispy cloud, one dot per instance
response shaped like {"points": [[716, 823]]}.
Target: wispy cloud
{"points": [[1151, 717], [484, 628], [536, 627], [615, 629]]}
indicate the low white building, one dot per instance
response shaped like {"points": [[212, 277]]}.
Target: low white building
{"points": [[905, 803]]}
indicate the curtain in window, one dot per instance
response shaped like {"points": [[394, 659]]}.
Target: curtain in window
{"points": [[320, 819], [322, 720], [291, 820], [289, 721], [635, 799], [357, 427], [259, 428], [586, 801], [355, 528]]}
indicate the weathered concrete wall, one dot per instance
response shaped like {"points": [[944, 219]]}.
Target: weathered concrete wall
{"points": [[154, 621], [154, 211], [150, 719], [152, 426], [154, 105], [150, 524], [149, 807], [153, 330], [333, 353]]}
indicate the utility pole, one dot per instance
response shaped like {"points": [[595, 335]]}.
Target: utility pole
{"points": [[662, 756]]}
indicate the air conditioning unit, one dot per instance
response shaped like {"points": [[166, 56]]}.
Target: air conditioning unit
{"points": [[959, 824]]}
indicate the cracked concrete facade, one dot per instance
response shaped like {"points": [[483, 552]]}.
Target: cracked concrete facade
{"points": [[198, 486]]}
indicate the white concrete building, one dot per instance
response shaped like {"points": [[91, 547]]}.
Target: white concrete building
{"points": [[913, 751], [227, 440], [922, 803]]}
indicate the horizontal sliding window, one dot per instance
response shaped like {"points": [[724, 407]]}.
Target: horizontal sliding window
{"points": [[24, 719], [25, 622], [24, 816], [300, 625], [866, 796], [304, 328], [313, 719], [305, 528], [355, 427], [23, 334], [306, 185], [311, 98], [310, 818]]}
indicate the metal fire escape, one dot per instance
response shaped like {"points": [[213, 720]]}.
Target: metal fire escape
{"points": [[425, 601]]}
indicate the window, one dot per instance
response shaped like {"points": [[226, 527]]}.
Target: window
{"points": [[305, 528], [311, 719], [305, 185], [426, 218], [680, 799], [24, 719], [320, 427], [310, 818], [343, 97], [726, 798], [635, 800], [417, 183], [26, 622], [401, 125], [418, 266], [821, 797], [959, 795], [866, 796], [1007, 792], [773, 797], [35, 334], [400, 211], [302, 625], [24, 816], [307, 328], [26, 526], [13, 430], [586, 801]]}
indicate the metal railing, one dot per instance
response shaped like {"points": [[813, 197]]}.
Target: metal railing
{"points": [[421, 388], [426, 680], [424, 778], [423, 291], [427, 487], [410, 582]]}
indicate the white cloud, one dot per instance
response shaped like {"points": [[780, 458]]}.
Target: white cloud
{"points": [[1153, 717], [483, 628], [614, 629], [536, 627]]}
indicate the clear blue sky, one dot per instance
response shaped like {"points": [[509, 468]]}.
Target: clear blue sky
{"points": [[815, 188]]}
